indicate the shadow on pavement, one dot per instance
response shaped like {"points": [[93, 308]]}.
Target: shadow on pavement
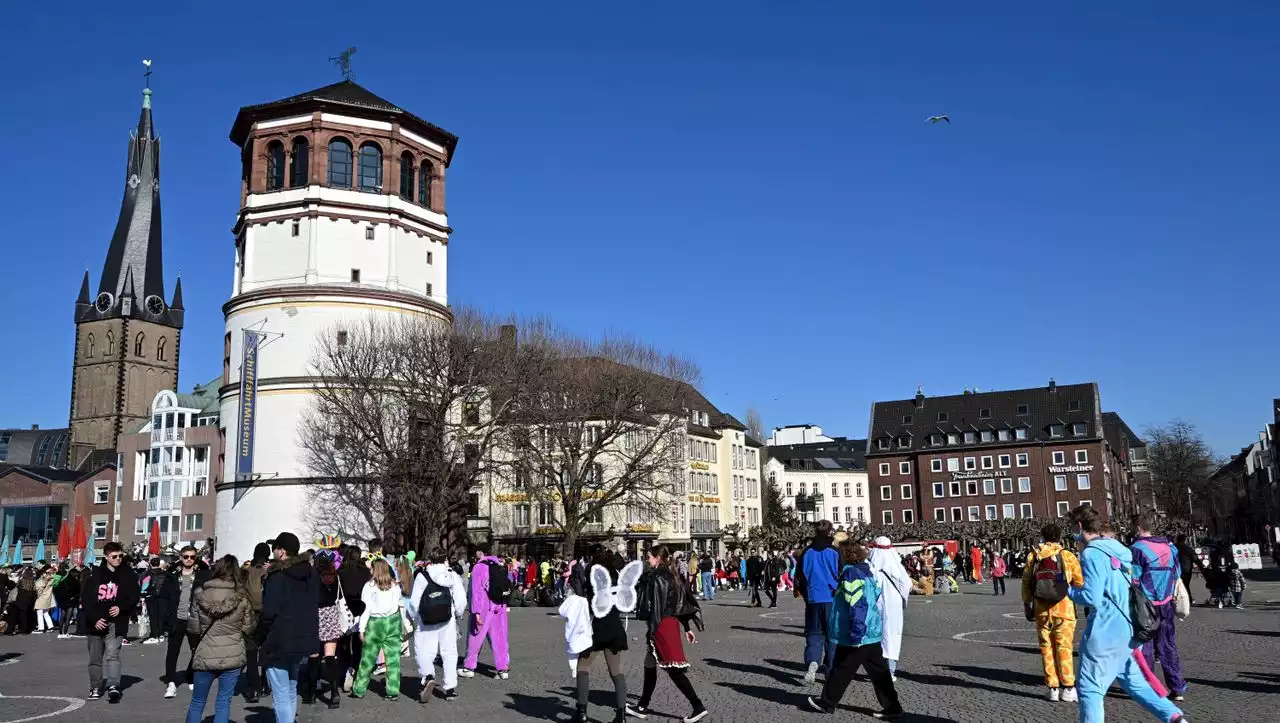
{"points": [[1246, 686], [930, 679], [543, 707], [907, 716], [1258, 633], [1032, 649], [778, 675], [999, 675], [795, 665], [769, 631], [128, 681], [770, 693]]}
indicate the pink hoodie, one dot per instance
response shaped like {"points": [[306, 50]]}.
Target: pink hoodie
{"points": [[480, 603]]}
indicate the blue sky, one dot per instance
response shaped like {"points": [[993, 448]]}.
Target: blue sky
{"points": [[746, 183]]}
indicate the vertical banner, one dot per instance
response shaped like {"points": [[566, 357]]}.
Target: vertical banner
{"points": [[248, 411]]}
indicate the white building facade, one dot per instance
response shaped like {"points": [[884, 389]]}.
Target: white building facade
{"points": [[342, 217], [828, 472]]}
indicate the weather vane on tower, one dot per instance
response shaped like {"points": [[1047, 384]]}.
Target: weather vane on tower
{"points": [[343, 61], [147, 75]]}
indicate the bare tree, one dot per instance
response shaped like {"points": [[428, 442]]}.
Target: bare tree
{"points": [[1182, 466], [600, 430], [404, 414], [755, 425]]}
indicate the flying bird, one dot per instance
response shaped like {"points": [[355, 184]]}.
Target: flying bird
{"points": [[938, 118]]}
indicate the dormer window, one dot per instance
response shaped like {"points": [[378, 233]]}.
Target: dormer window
{"points": [[904, 441], [1020, 433], [882, 443], [970, 437], [1055, 430], [935, 440], [1073, 405], [953, 438], [1003, 435], [1078, 429], [988, 435]]}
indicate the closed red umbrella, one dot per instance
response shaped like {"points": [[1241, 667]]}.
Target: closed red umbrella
{"points": [[79, 538], [64, 541], [153, 542]]}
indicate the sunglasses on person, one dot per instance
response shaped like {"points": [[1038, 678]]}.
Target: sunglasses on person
{"points": [[115, 556], [188, 557]]}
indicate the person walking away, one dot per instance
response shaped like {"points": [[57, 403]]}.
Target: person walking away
{"points": [[1108, 648], [1050, 571], [666, 606], [330, 627], [1188, 561], [437, 603], [254, 574], [1155, 562], [857, 630], [818, 574], [110, 592], [1235, 583], [774, 569], [67, 594], [381, 629], [175, 591], [706, 576], [606, 636], [24, 602], [289, 626], [975, 564], [895, 588], [353, 574], [998, 571], [490, 596], [44, 598], [755, 571], [221, 618], [150, 583]]}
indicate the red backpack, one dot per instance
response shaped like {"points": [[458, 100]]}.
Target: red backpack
{"points": [[1050, 580]]}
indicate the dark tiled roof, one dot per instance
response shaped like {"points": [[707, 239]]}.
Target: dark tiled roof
{"points": [[839, 453], [344, 93], [1111, 418], [44, 474], [727, 420], [752, 441], [964, 413]]}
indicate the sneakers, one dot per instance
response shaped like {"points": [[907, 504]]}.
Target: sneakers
{"points": [[503, 674], [1069, 695], [171, 691], [94, 694], [819, 706], [191, 686], [466, 673], [1178, 697], [380, 670], [151, 641], [637, 711], [1055, 695], [348, 680], [113, 694], [451, 694], [428, 690], [695, 716], [811, 674], [1239, 607]]}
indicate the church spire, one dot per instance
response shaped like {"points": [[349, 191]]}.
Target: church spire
{"points": [[136, 244]]}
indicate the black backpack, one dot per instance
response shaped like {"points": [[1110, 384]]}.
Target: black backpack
{"points": [[499, 585], [436, 604]]}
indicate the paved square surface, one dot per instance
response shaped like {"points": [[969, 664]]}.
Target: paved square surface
{"points": [[967, 657]]}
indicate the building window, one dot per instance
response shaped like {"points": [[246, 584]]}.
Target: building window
{"points": [[939, 489], [111, 344], [160, 348], [1073, 405], [887, 517], [275, 166], [1007, 511], [1024, 485], [546, 514], [1020, 433], [955, 489], [987, 462], [957, 514], [904, 468], [1060, 482], [1003, 435], [882, 444], [834, 489], [906, 492], [1005, 461], [522, 515], [101, 493], [368, 233], [942, 416], [194, 522], [1006, 485], [846, 489], [1059, 457], [988, 435], [789, 488], [1078, 429], [858, 490], [884, 469], [1086, 503], [906, 419], [1064, 508], [137, 344], [974, 512], [1023, 409], [89, 347], [355, 276], [1023, 459], [1082, 481], [298, 162], [1055, 430], [406, 176], [984, 413], [1025, 509], [370, 167], [939, 514], [988, 487], [953, 438], [139, 525], [295, 228], [908, 516], [339, 163], [970, 437], [970, 463], [953, 464], [886, 492], [427, 291], [1082, 456], [991, 512], [971, 487], [935, 440], [904, 441], [425, 174], [428, 258], [99, 529], [936, 464]]}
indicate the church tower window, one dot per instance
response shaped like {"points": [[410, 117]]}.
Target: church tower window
{"points": [[160, 348], [275, 166], [424, 184], [298, 163], [111, 344], [89, 351], [137, 344], [339, 163], [406, 176], [370, 167]]}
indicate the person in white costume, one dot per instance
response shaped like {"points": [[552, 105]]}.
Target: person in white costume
{"points": [[431, 639], [887, 566]]}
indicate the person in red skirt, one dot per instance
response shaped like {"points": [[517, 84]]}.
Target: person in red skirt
{"points": [[668, 607]]}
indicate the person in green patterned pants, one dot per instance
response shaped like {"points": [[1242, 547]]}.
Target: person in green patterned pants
{"points": [[381, 630]]}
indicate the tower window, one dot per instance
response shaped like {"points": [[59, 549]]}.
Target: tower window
{"points": [[406, 176], [339, 163], [370, 167], [428, 258], [428, 288], [296, 227], [368, 233], [425, 175], [160, 348], [137, 344], [111, 343], [298, 162], [355, 276], [89, 351], [275, 166]]}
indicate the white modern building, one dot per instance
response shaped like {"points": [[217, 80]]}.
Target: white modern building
{"points": [[342, 216], [830, 472]]}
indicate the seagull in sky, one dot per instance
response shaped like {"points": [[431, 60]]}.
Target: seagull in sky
{"points": [[939, 118]]}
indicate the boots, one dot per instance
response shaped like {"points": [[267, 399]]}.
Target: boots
{"points": [[580, 715], [620, 716]]}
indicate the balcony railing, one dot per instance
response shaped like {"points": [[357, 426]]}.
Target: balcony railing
{"points": [[701, 526], [156, 504]]}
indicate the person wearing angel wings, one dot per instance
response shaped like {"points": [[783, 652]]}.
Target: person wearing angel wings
{"points": [[610, 589]]}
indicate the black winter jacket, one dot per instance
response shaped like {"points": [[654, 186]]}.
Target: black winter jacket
{"points": [[289, 627], [171, 594]]}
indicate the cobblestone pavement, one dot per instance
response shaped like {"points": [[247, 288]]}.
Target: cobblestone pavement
{"points": [[967, 657]]}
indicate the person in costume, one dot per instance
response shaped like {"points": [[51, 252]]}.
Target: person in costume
{"points": [[896, 587]]}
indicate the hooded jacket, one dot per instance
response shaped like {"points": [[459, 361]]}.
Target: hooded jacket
{"points": [[855, 618], [105, 588], [441, 574], [1107, 567], [1157, 567], [480, 603], [289, 627], [1064, 609], [221, 617], [819, 571]]}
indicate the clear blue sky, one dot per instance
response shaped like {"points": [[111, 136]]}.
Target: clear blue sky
{"points": [[746, 183]]}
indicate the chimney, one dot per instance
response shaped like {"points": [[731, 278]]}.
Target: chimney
{"points": [[967, 392], [1052, 384], [919, 395], [35, 426]]}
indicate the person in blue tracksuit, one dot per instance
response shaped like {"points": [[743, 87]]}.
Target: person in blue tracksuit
{"points": [[818, 575], [1107, 647]]}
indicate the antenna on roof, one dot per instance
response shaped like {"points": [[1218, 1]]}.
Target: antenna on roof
{"points": [[343, 61]]}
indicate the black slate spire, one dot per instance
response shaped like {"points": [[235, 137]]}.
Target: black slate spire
{"points": [[135, 252]]}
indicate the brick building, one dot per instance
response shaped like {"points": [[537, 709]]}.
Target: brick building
{"points": [[1025, 453]]}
